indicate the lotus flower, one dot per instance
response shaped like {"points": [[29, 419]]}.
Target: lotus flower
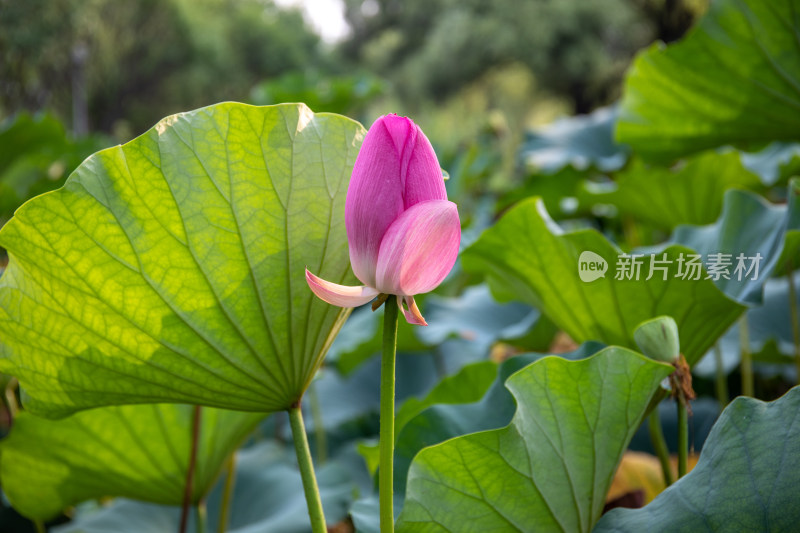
{"points": [[402, 231]]}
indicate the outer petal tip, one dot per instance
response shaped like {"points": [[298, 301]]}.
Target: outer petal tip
{"points": [[339, 295], [412, 314]]}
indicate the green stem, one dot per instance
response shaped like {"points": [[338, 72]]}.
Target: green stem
{"points": [[794, 318], [39, 525], [386, 471], [310, 487], [202, 513], [659, 445], [319, 428], [722, 379], [227, 493], [747, 360], [190, 468], [683, 436]]}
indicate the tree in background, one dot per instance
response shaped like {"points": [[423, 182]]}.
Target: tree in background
{"points": [[573, 47], [35, 60], [142, 60]]}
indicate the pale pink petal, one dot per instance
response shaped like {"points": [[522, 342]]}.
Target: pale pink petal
{"points": [[339, 295], [395, 169], [419, 249], [412, 314]]}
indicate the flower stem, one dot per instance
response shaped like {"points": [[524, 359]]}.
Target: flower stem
{"points": [[793, 314], [315, 512], [227, 493], [187, 491], [659, 445], [747, 360], [386, 471], [39, 525], [722, 379], [683, 436]]}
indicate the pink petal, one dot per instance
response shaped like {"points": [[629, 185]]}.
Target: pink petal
{"points": [[339, 295], [395, 169], [412, 314], [419, 249], [422, 178]]}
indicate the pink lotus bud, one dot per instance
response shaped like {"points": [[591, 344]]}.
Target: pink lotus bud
{"points": [[402, 231]]}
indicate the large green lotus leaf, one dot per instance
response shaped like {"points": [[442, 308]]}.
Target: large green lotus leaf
{"points": [[734, 79], [136, 451], [527, 257], [667, 197], [748, 227], [171, 269], [548, 470], [745, 480]]}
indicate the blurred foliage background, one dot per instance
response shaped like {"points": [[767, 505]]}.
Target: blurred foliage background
{"points": [[517, 96], [116, 68], [77, 75]]}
